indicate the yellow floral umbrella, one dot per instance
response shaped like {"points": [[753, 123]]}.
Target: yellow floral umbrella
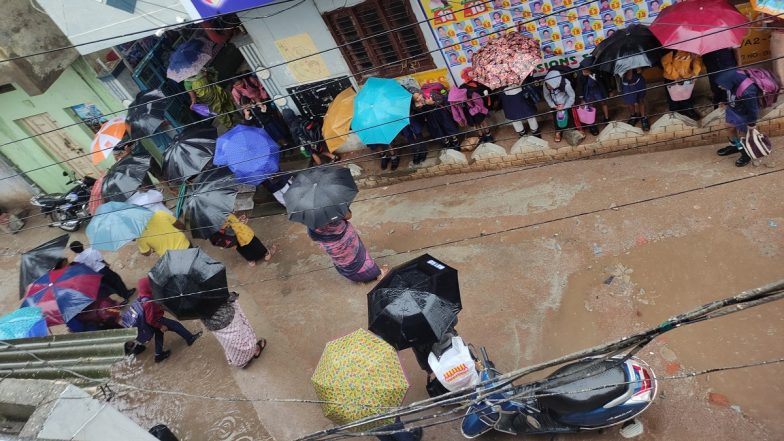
{"points": [[337, 120], [360, 375]]}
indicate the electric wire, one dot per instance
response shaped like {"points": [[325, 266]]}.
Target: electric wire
{"points": [[238, 76], [337, 80], [481, 235], [364, 158]]}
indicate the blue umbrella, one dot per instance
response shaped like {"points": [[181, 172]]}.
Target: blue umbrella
{"points": [[115, 224], [381, 111], [23, 323], [249, 152], [188, 59]]}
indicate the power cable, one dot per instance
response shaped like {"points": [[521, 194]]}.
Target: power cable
{"points": [[483, 234], [331, 81], [129, 34], [765, 294], [369, 155], [254, 71]]}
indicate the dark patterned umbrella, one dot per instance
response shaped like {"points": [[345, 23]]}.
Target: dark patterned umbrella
{"points": [[630, 48], [189, 153], [209, 201], [38, 261], [125, 176], [146, 113], [189, 283], [318, 196], [406, 317], [416, 303]]}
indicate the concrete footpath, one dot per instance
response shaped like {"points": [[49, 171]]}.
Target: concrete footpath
{"points": [[552, 259]]}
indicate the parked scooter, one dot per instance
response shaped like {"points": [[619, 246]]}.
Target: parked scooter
{"points": [[67, 210], [620, 391]]}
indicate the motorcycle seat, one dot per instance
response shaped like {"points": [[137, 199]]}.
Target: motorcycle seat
{"points": [[53, 200], [595, 391]]}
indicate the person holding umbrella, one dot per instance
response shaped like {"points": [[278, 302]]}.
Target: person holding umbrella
{"points": [[319, 198], [162, 234], [342, 243], [233, 331], [153, 317], [633, 88], [94, 260], [248, 245]]}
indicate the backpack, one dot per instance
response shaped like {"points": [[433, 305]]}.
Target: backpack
{"points": [[309, 133], [224, 238], [437, 91], [133, 316], [766, 83]]}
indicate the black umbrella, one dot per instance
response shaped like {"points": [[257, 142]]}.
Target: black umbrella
{"points": [[146, 113], [189, 153], [36, 262], [626, 49], [209, 201], [406, 317], [190, 283], [125, 176], [425, 273], [321, 195]]}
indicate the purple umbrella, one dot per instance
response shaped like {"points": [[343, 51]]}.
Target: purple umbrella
{"points": [[188, 59]]}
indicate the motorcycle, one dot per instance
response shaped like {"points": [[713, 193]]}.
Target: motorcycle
{"points": [[620, 391], [67, 210]]}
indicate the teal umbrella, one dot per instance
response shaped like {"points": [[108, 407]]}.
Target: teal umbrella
{"points": [[381, 111], [115, 224]]}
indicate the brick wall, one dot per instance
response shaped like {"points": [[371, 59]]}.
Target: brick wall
{"points": [[670, 132]]}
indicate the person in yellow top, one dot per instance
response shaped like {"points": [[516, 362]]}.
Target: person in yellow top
{"points": [[161, 235], [248, 245]]}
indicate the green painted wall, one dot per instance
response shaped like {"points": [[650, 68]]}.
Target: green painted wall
{"points": [[77, 85]]}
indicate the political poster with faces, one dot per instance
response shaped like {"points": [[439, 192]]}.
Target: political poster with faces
{"points": [[566, 30]]}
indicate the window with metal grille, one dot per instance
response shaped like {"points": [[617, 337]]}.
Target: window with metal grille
{"points": [[385, 49]]}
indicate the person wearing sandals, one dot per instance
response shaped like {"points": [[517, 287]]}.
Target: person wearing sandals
{"points": [[158, 324], [233, 331], [342, 243], [248, 245], [559, 94]]}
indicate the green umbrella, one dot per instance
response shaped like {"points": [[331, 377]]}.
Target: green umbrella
{"points": [[359, 375]]}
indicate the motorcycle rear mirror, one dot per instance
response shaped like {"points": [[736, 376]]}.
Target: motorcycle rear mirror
{"points": [[65, 173]]}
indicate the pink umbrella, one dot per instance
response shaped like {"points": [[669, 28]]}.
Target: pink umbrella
{"points": [[506, 61], [700, 26]]}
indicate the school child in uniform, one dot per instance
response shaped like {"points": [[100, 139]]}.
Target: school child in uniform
{"points": [[633, 90]]}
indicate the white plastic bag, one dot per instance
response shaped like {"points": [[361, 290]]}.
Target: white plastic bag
{"points": [[455, 369]]}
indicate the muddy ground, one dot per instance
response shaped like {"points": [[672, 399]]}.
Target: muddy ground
{"points": [[551, 260]]}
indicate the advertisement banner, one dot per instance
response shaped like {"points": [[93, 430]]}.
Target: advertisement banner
{"points": [[211, 8], [756, 45], [566, 34]]}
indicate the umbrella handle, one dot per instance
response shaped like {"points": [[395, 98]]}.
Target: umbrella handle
{"points": [[180, 200]]}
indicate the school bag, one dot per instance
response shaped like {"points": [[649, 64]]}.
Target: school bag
{"points": [[224, 238], [437, 91], [766, 83], [756, 144], [309, 133], [133, 317]]}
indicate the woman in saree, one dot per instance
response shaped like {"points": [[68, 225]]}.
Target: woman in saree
{"points": [[203, 91], [342, 243]]}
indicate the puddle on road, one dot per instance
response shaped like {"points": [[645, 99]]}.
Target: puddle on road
{"points": [[655, 280], [199, 370]]}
